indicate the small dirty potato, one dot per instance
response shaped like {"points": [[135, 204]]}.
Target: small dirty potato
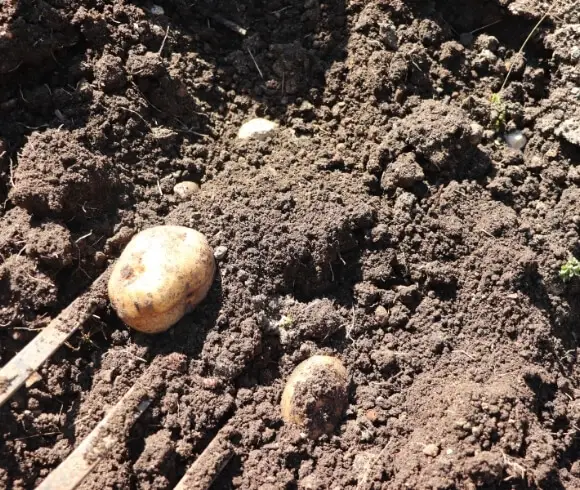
{"points": [[162, 274], [315, 395]]}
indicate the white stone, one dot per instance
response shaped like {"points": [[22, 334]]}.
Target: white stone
{"points": [[157, 10], [476, 133], [488, 55], [431, 450], [220, 252], [256, 128], [516, 139]]}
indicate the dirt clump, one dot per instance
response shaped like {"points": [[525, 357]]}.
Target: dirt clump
{"points": [[58, 177]]}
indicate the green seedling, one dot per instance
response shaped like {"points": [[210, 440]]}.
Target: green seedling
{"points": [[498, 107], [498, 112], [285, 322], [570, 269]]}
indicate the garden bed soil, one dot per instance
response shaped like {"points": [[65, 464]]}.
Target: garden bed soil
{"points": [[385, 222]]}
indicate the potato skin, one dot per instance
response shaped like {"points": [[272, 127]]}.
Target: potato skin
{"points": [[315, 395], [162, 274]]}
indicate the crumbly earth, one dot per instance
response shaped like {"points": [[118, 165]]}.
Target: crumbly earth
{"points": [[385, 222]]}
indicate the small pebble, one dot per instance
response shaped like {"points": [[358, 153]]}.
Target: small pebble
{"points": [[220, 252], [476, 133], [157, 10], [382, 316], [516, 140], [488, 55], [488, 134], [431, 450], [476, 431], [256, 128], [185, 190], [487, 42], [388, 34]]}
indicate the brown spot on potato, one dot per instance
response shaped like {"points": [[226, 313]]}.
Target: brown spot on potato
{"points": [[127, 272]]}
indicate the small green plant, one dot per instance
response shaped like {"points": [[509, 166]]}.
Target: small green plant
{"points": [[498, 112], [285, 322], [570, 269], [498, 107], [495, 99]]}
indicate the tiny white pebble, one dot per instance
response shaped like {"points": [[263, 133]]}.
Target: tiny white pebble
{"points": [[258, 127], [488, 55], [220, 252], [516, 140], [157, 10], [476, 133], [431, 450]]}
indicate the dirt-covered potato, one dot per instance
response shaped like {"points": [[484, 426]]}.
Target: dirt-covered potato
{"points": [[315, 395], [162, 274]]}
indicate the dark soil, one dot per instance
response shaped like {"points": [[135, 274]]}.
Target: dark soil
{"points": [[386, 222]]}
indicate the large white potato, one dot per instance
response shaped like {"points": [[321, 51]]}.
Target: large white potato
{"points": [[162, 274], [315, 395]]}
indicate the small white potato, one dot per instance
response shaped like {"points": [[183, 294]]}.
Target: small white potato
{"points": [[315, 395], [162, 274], [256, 128], [185, 190]]}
